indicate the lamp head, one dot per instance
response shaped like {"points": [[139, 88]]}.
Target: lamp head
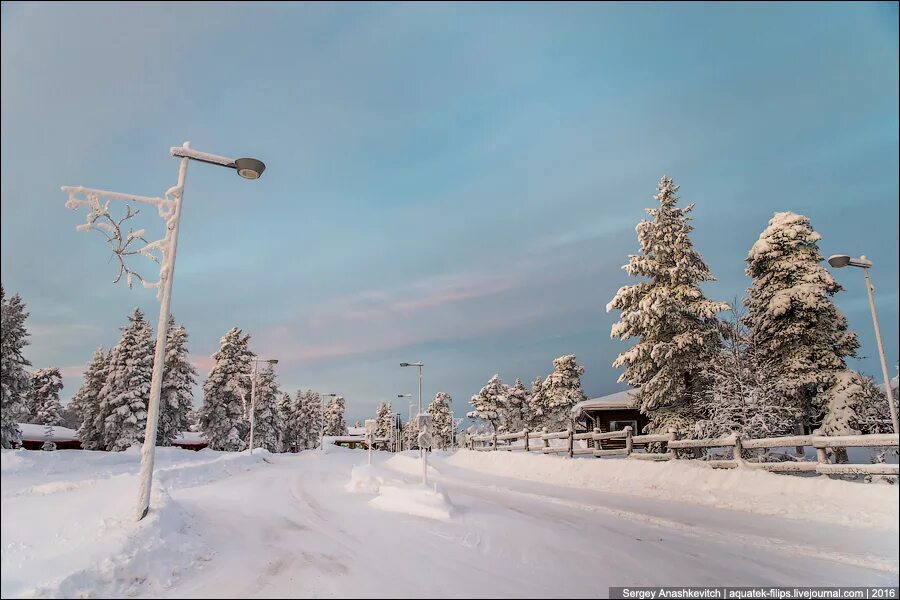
{"points": [[404, 364], [839, 261], [249, 168]]}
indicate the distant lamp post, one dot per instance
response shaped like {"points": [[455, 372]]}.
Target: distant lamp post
{"points": [[409, 413], [256, 361], [322, 401], [161, 251], [420, 421], [839, 261]]}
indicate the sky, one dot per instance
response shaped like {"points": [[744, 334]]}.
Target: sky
{"points": [[452, 183]]}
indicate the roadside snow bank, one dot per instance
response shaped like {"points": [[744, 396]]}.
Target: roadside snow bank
{"points": [[68, 527], [414, 499], [808, 498], [365, 479]]}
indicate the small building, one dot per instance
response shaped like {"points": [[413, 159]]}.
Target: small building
{"points": [[609, 413], [190, 440], [33, 436]]}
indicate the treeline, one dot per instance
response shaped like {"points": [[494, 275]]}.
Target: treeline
{"points": [[773, 363], [109, 410]]}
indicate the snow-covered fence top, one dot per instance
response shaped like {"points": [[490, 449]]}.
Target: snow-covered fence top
{"points": [[594, 446]]}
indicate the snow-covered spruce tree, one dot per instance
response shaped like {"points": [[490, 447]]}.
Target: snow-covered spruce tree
{"points": [[488, 404], [535, 400], [222, 414], [870, 403], [791, 315], [384, 420], [176, 397], [560, 392], [441, 420], [86, 402], [674, 323], [44, 401], [516, 413], [742, 396], [291, 409], [268, 426], [14, 379], [311, 420], [411, 435], [124, 396], [334, 417]]}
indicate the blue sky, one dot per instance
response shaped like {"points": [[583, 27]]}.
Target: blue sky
{"points": [[451, 183]]}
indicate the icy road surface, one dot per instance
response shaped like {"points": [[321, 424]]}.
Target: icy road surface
{"points": [[231, 525]]}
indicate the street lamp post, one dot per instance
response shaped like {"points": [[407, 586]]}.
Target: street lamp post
{"points": [[256, 361], [838, 261], [322, 402], [162, 251], [422, 454]]}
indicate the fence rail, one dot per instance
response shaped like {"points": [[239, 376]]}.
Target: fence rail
{"points": [[539, 441]]}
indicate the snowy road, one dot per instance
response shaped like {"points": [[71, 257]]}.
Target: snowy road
{"points": [[286, 526], [300, 534]]}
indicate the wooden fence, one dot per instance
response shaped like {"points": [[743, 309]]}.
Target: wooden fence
{"points": [[540, 441]]}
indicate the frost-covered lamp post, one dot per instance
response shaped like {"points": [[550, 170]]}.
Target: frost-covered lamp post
{"points": [[322, 401], [409, 413], [838, 261], [420, 420], [256, 361], [161, 251]]}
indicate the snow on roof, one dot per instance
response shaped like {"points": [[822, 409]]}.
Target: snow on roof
{"points": [[33, 432], [619, 400], [356, 431], [189, 437]]}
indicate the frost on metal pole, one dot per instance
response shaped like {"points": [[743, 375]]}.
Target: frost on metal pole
{"points": [[162, 252], [370, 437], [425, 440]]}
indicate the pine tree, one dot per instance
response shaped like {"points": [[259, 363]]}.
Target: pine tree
{"points": [[223, 415], [441, 420], [535, 403], [14, 379], [871, 405], [411, 435], [792, 316], [674, 322], [86, 402], [488, 404], [742, 397], [126, 391], [268, 426], [335, 425], [560, 392], [176, 397], [44, 400], [384, 420], [291, 414], [311, 420], [517, 410]]}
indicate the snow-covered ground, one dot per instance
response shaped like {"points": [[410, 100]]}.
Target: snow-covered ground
{"points": [[494, 524]]}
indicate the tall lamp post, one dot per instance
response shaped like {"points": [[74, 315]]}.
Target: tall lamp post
{"points": [[256, 361], [409, 412], [322, 436], [839, 261], [162, 251], [419, 365]]}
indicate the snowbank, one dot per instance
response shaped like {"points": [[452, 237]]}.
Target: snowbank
{"points": [[365, 479], [414, 499], [68, 528], [811, 498]]}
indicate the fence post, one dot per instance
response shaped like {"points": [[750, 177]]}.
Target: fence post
{"points": [[571, 432], [546, 442], [597, 444], [738, 451], [628, 443], [673, 435], [821, 455], [525, 431], [494, 440]]}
